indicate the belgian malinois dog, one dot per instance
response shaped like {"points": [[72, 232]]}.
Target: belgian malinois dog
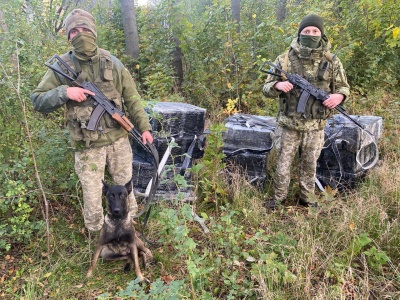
{"points": [[118, 238]]}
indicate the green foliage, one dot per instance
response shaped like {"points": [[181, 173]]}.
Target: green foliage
{"points": [[17, 195], [209, 172], [22, 60], [160, 83], [175, 223], [362, 245], [214, 45], [206, 271], [220, 64], [273, 271], [158, 291], [371, 43], [55, 159], [154, 72], [17, 225]]}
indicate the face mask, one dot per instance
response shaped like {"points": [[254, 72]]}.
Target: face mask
{"points": [[310, 41], [84, 45]]}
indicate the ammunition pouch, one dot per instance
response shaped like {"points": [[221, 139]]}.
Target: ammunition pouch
{"points": [[79, 113], [78, 117], [314, 109]]}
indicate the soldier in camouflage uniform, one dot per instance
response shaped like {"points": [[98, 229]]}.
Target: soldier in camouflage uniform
{"points": [[309, 57], [109, 144]]}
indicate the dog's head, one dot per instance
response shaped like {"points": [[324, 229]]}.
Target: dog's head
{"points": [[117, 199]]}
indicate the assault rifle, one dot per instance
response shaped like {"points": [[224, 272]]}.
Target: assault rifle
{"points": [[307, 90], [102, 105], [101, 102]]}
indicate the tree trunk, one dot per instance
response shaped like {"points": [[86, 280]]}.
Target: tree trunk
{"points": [[177, 52], [235, 7], [178, 65], [130, 28], [281, 10]]}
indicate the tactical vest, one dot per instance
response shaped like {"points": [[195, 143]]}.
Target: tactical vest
{"points": [[322, 79], [78, 113]]}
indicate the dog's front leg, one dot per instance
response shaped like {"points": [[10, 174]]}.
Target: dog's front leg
{"points": [[94, 261], [145, 252], [135, 258]]}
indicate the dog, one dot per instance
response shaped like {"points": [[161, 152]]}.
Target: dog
{"points": [[118, 238]]}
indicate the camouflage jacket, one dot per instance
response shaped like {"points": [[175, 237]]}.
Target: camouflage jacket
{"points": [[310, 65], [51, 94]]}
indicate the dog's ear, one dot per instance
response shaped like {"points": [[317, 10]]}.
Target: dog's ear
{"points": [[105, 187], [128, 187]]}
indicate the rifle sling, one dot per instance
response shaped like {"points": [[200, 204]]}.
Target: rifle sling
{"points": [[285, 63]]}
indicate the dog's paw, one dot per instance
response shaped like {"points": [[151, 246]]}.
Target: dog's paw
{"points": [[89, 274], [152, 262], [144, 280]]}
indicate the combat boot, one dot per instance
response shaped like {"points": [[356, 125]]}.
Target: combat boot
{"points": [[272, 204], [305, 203]]}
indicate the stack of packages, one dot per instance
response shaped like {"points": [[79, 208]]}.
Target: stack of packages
{"points": [[178, 125], [349, 151], [247, 142]]}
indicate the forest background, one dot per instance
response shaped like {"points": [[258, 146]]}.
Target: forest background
{"points": [[207, 53]]}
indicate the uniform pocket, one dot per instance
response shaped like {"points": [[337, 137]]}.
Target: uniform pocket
{"points": [[319, 111], [78, 118], [283, 105], [106, 73]]}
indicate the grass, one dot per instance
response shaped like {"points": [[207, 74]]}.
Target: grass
{"points": [[349, 249]]}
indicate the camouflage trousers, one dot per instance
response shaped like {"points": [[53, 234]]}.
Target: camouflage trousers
{"points": [[90, 165], [310, 144]]}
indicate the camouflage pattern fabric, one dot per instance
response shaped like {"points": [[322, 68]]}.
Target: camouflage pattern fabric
{"points": [[90, 166], [295, 132], [310, 144], [310, 66], [51, 94], [80, 18]]}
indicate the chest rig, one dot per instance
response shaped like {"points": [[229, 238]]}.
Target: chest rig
{"points": [[321, 78], [78, 113]]}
